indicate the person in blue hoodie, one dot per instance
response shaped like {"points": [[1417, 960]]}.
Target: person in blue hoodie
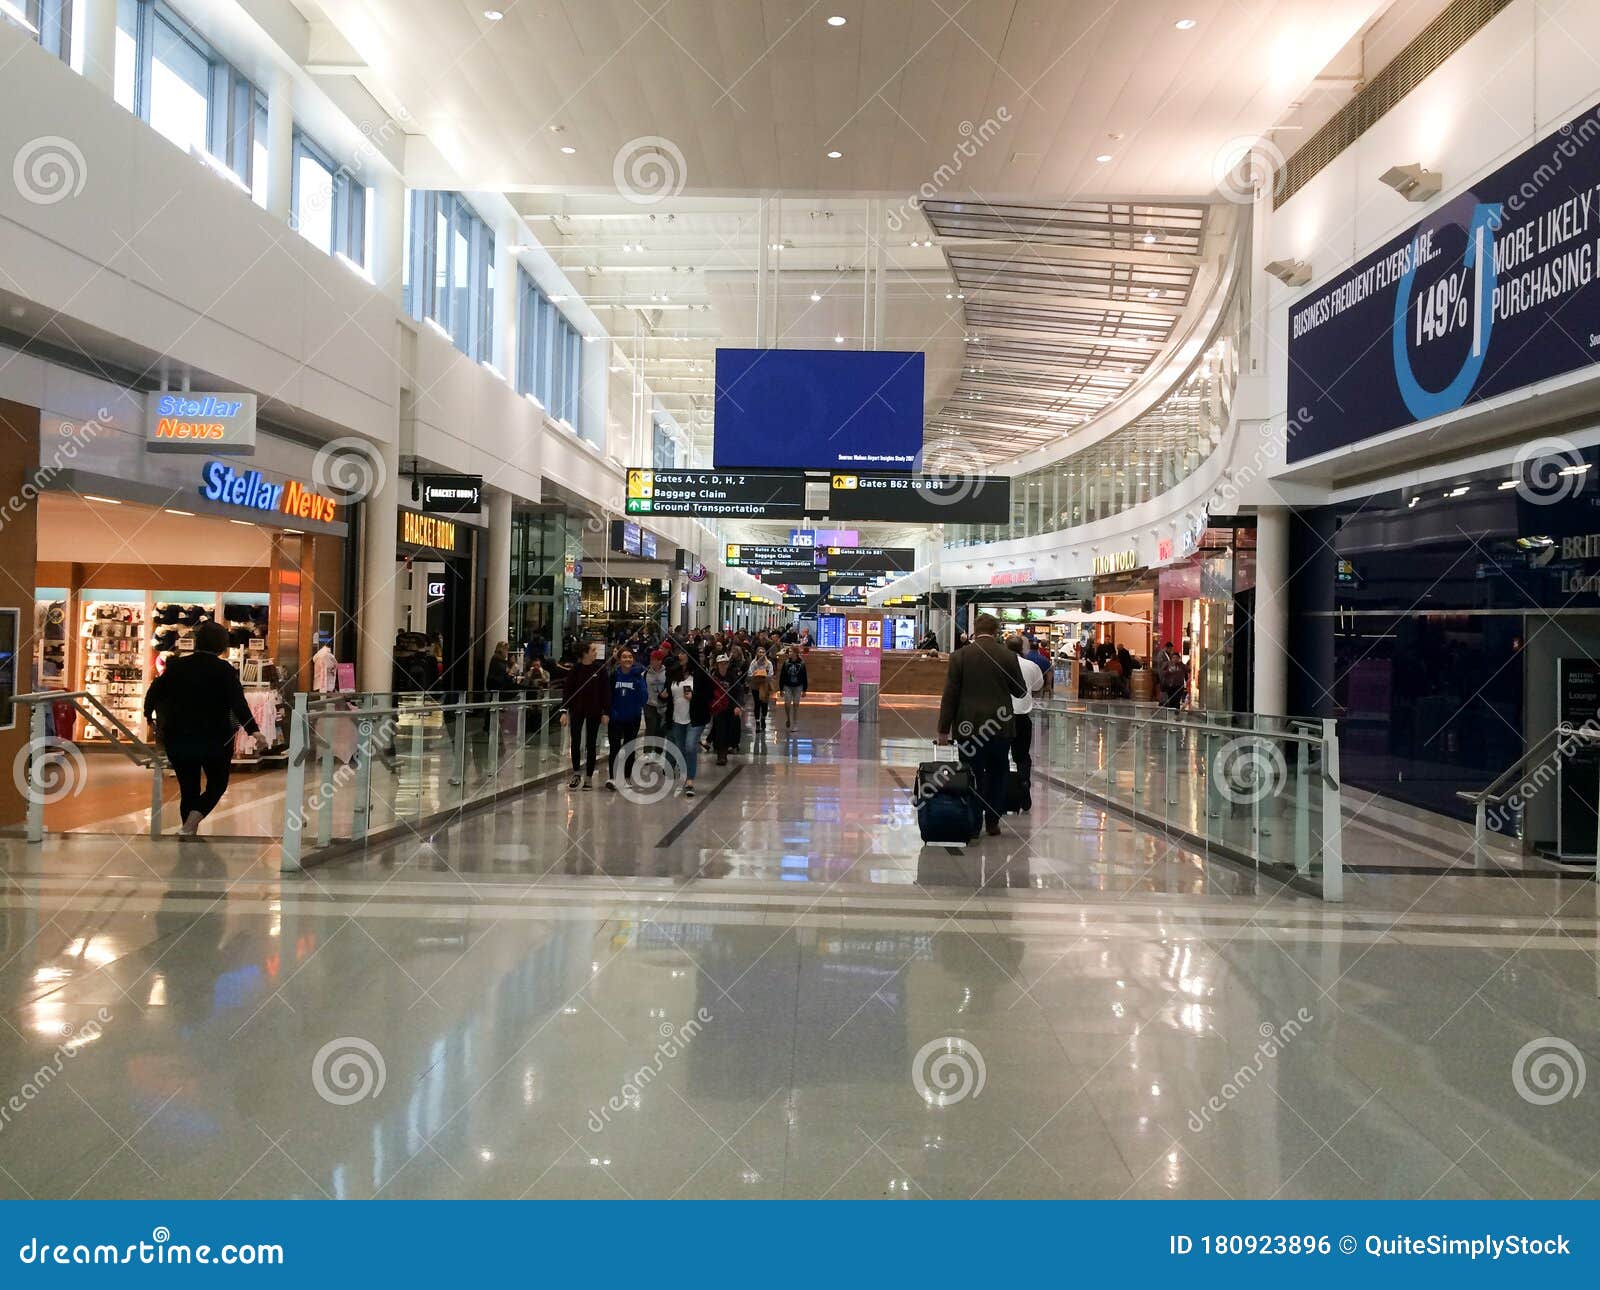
{"points": [[630, 691]]}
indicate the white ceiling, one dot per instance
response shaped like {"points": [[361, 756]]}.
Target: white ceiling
{"points": [[680, 114]]}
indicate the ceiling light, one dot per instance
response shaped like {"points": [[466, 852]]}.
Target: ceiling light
{"points": [[109, 501], [1103, 158], [568, 149], [1185, 24], [246, 524], [170, 511], [1459, 492], [816, 296], [836, 21], [1507, 483], [493, 15], [1412, 502], [834, 155], [1149, 239], [838, 340]]}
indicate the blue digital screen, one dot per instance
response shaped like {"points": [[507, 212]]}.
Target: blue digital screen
{"points": [[818, 409]]}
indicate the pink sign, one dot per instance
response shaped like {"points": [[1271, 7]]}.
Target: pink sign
{"points": [[347, 678], [860, 663]]}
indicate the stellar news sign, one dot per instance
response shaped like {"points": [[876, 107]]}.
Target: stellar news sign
{"points": [[218, 424], [1492, 292]]}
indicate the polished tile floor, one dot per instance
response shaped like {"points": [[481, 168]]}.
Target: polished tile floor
{"points": [[775, 990]]}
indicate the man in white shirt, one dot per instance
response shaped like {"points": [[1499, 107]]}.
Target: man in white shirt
{"points": [[1022, 723]]}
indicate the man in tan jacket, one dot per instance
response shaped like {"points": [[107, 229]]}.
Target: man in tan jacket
{"points": [[981, 685]]}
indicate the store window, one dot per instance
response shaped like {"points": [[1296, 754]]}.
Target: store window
{"points": [[167, 75], [330, 207], [449, 278], [549, 353], [47, 21]]}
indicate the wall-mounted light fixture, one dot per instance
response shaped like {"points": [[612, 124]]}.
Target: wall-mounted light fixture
{"points": [[1292, 273], [1416, 183]]}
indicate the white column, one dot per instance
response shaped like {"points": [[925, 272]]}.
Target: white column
{"points": [[497, 613], [505, 302], [388, 235], [375, 616], [99, 28], [280, 143], [1271, 637], [763, 286]]}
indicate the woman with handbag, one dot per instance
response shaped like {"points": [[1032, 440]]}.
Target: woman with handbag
{"points": [[760, 679]]}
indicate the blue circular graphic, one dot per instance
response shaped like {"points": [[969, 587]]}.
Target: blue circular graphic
{"points": [[1425, 403]]}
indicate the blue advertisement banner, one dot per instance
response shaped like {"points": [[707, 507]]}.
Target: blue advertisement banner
{"points": [[1493, 291], [1203, 1243]]}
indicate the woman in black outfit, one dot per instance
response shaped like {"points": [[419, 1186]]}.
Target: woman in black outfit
{"points": [[585, 706]]}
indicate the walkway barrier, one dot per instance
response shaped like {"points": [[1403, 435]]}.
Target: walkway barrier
{"points": [[1263, 791], [55, 766], [363, 766]]}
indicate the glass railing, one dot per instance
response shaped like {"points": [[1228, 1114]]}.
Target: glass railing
{"points": [[1150, 456], [365, 767], [1261, 791]]}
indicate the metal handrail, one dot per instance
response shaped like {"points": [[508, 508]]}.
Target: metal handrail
{"points": [[147, 755], [1301, 729], [1491, 792]]}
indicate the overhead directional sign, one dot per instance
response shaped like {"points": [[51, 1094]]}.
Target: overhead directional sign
{"points": [[921, 499], [870, 559], [743, 494], [745, 554]]}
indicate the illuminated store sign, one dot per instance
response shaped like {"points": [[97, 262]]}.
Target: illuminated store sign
{"points": [[188, 422], [1116, 562], [429, 531], [250, 489]]}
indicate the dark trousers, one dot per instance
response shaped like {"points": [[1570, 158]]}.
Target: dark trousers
{"points": [[586, 734], [760, 710], [192, 758], [622, 733], [989, 760], [1022, 752]]}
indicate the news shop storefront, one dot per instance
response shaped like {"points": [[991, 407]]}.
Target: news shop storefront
{"points": [[138, 546]]}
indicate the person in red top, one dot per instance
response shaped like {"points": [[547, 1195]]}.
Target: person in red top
{"points": [[585, 707]]}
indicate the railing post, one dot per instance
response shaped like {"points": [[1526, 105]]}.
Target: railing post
{"points": [[294, 797], [522, 737], [1138, 759], [494, 740], [1172, 760], [156, 769], [1302, 806], [360, 809], [36, 791], [325, 792], [1480, 834], [1332, 821], [458, 773]]}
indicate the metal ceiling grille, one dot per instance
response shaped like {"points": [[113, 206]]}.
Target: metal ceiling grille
{"points": [[1462, 20], [1091, 279], [1105, 226]]}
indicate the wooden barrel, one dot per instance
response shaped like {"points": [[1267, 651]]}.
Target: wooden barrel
{"points": [[1142, 685]]}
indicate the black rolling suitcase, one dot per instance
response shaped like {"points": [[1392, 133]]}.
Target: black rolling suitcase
{"points": [[948, 813]]}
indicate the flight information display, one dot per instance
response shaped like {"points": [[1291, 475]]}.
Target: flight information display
{"points": [[921, 499], [823, 409], [740, 494]]}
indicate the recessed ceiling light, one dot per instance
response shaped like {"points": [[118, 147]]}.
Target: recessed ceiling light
{"points": [[836, 21], [170, 511], [838, 340], [835, 155], [109, 501], [1103, 158], [493, 15], [816, 296], [1149, 239], [1185, 24], [568, 149]]}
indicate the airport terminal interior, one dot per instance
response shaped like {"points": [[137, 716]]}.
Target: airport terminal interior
{"points": [[755, 599]]}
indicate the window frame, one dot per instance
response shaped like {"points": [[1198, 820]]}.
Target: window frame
{"points": [[51, 21], [549, 353], [436, 282], [347, 214]]}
